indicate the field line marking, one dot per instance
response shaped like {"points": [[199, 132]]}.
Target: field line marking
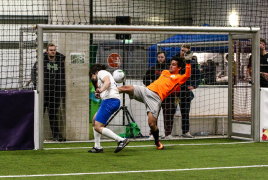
{"points": [[129, 146], [143, 171]]}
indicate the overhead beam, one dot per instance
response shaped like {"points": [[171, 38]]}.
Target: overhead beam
{"points": [[23, 19], [16, 44]]}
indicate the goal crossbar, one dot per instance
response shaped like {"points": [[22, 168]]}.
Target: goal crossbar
{"points": [[138, 29]]}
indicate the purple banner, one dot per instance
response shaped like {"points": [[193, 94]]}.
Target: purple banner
{"points": [[16, 119]]}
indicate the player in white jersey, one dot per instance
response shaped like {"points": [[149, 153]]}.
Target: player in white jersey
{"points": [[108, 92]]}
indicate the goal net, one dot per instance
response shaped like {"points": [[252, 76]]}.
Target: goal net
{"points": [[218, 93]]}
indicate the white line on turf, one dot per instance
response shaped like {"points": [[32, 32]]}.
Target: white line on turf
{"points": [[125, 172], [204, 144]]}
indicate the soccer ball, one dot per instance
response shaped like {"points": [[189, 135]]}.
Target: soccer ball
{"points": [[119, 76]]}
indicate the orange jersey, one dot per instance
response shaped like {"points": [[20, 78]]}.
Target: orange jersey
{"points": [[167, 82]]}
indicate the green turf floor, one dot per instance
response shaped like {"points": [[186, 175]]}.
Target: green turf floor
{"points": [[181, 159]]}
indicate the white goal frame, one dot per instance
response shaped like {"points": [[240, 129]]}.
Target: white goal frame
{"points": [[119, 29]]}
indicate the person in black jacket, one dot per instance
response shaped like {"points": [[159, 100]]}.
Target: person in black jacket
{"points": [[186, 94], [210, 73], [54, 86], [167, 105], [263, 64]]}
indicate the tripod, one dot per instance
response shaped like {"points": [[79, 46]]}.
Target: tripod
{"points": [[124, 108]]}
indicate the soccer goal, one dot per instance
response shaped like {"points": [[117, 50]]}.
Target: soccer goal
{"points": [[226, 102]]}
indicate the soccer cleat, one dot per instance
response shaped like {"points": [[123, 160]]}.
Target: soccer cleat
{"points": [[160, 146], [96, 150], [187, 135], [121, 145]]}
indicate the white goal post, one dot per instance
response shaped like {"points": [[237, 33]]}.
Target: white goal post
{"points": [[233, 32]]}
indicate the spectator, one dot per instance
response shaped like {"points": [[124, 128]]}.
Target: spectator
{"points": [[263, 64], [54, 87], [234, 70], [202, 65], [195, 58], [210, 73]]}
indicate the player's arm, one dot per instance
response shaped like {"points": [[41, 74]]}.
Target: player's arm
{"points": [[95, 84], [188, 69], [187, 74], [106, 84], [188, 58]]}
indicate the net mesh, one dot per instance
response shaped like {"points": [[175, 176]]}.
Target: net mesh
{"points": [[18, 51], [209, 104], [241, 81]]}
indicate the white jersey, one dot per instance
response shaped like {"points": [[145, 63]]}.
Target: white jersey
{"points": [[112, 91]]}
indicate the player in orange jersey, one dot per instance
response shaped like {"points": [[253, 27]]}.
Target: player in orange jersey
{"points": [[153, 95]]}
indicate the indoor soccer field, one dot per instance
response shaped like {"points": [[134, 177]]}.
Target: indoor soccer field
{"points": [[227, 123], [220, 158]]}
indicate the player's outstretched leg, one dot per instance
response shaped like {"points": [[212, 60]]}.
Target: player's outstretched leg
{"points": [[126, 89], [121, 145], [121, 142], [156, 139], [154, 130]]}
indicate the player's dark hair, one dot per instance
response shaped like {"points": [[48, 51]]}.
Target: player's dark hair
{"points": [[180, 60], [95, 68], [161, 53], [263, 40]]}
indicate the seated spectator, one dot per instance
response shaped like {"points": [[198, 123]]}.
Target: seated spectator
{"points": [[195, 58], [202, 65], [219, 75], [209, 72]]}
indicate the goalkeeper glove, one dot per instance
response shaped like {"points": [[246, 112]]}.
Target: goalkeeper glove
{"points": [[188, 56]]}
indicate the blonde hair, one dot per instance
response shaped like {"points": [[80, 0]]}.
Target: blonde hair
{"points": [[186, 46]]}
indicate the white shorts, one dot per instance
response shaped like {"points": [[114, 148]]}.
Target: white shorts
{"points": [[151, 99]]}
